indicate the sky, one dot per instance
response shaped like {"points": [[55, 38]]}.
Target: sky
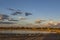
{"points": [[43, 9]]}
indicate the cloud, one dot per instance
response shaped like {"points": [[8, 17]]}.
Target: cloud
{"points": [[39, 21], [7, 23], [52, 25], [12, 9], [22, 18], [11, 19], [27, 14], [3, 16], [16, 13]]}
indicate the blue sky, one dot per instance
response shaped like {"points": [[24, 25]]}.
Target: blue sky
{"points": [[44, 9]]}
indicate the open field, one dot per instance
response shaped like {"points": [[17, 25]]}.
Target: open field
{"points": [[38, 36], [28, 33]]}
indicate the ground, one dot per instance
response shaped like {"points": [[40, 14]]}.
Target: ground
{"points": [[37, 36]]}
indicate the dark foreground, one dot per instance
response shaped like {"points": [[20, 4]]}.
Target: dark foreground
{"points": [[51, 36]]}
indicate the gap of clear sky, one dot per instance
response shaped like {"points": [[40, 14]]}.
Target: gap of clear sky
{"points": [[44, 9]]}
